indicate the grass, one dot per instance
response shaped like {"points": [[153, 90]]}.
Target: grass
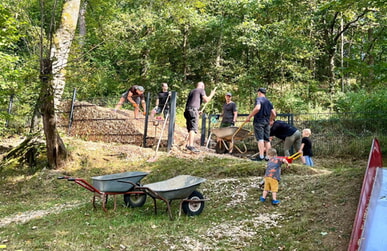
{"points": [[317, 210]]}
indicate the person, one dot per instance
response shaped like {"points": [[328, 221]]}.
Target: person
{"points": [[289, 134], [229, 112], [135, 96], [263, 112], [162, 102], [229, 116], [273, 176], [195, 98], [306, 148]]}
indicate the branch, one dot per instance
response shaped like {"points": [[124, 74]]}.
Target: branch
{"points": [[347, 26]]}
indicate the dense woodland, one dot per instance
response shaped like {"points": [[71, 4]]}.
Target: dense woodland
{"points": [[312, 55]]}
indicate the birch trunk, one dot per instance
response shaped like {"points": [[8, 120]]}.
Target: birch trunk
{"points": [[61, 46], [53, 81]]}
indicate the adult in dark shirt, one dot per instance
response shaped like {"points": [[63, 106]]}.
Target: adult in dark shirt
{"points": [[195, 98], [135, 96], [289, 134], [162, 102], [263, 112], [229, 112]]}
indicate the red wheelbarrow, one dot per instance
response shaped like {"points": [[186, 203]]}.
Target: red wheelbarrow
{"points": [[114, 184]]}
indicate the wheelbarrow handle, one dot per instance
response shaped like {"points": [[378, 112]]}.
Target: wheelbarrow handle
{"points": [[64, 177], [239, 128]]}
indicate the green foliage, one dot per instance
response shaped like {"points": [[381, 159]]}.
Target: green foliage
{"points": [[364, 103], [235, 45]]}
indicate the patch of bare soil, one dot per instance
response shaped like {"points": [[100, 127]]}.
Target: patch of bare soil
{"points": [[29, 215]]}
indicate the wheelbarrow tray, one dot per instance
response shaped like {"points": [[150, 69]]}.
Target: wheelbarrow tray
{"points": [[227, 133], [111, 183], [179, 187]]}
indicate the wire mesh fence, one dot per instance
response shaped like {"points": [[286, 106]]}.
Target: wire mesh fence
{"points": [[333, 134]]}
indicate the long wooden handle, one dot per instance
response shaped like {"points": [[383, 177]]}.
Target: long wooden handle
{"points": [[201, 111], [235, 133]]}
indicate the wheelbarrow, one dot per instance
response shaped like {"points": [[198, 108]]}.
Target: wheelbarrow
{"points": [[292, 157], [112, 184], [230, 135], [182, 187]]}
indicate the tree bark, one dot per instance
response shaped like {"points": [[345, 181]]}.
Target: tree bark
{"points": [[61, 46], [53, 82]]}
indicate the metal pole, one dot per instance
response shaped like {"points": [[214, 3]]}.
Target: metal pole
{"points": [[72, 110], [172, 118], [203, 132], [146, 119]]}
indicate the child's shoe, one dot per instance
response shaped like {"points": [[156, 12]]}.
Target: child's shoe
{"points": [[261, 199], [275, 202]]}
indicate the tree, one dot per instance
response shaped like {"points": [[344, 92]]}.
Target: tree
{"points": [[52, 76]]}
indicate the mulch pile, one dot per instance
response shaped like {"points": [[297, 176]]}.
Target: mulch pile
{"points": [[96, 123]]}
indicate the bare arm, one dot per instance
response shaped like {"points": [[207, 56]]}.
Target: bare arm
{"points": [[208, 98], [255, 111], [130, 99], [273, 114], [301, 148]]}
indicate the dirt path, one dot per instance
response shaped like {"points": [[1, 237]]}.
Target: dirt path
{"points": [[30, 215]]}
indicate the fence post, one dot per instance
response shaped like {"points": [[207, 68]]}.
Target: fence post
{"points": [[146, 119], [72, 110], [9, 109], [203, 132], [172, 118]]}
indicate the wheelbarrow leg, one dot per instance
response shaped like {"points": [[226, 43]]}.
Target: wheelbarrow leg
{"points": [[154, 203], [169, 209], [115, 202], [104, 200], [93, 201]]}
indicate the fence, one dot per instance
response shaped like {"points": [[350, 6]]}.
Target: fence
{"points": [[333, 134]]}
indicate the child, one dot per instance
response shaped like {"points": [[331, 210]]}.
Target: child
{"points": [[306, 148], [273, 176]]}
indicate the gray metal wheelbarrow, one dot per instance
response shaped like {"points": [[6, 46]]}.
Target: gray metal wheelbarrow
{"points": [[182, 187], [113, 184]]}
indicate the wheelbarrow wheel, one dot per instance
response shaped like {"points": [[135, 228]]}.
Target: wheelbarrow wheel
{"points": [[192, 208], [135, 199], [220, 148]]}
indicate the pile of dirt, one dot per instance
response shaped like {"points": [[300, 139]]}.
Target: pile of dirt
{"points": [[96, 123]]}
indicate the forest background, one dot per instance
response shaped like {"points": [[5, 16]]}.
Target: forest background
{"points": [[313, 56]]}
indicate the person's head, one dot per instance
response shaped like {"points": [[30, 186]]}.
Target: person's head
{"points": [[272, 152], [228, 96], [261, 91], [200, 85], [139, 89], [306, 132], [164, 86]]}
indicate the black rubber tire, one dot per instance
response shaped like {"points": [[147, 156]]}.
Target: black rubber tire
{"points": [[219, 148], [193, 208], [135, 199]]}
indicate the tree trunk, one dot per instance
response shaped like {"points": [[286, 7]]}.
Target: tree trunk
{"points": [[82, 23], [61, 46], [53, 81]]}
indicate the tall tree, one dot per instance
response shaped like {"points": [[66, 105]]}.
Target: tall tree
{"points": [[52, 75]]}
